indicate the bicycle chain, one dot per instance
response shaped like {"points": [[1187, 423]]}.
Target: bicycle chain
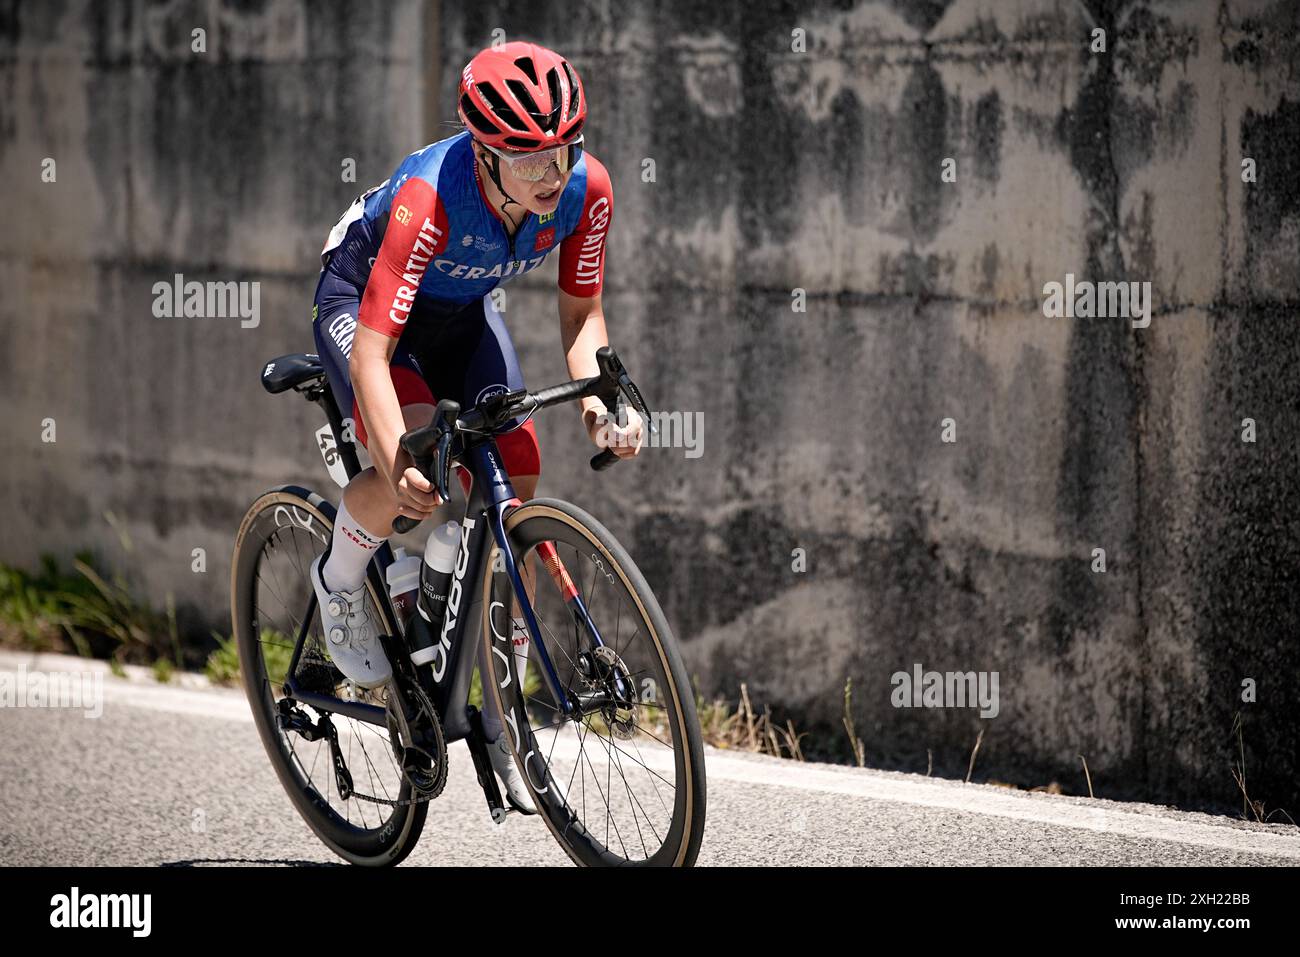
{"points": [[425, 705]]}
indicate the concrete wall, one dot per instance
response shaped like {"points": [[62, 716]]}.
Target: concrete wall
{"points": [[225, 165], [774, 170]]}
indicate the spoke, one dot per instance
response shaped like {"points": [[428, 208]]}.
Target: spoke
{"points": [[636, 631], [273, 589], [556, 638], [550, 753], [618, 621], [586, 599], [657, 792], [279, 593], [609, 786], [547, 705], [311, 775], [612, 752], [297, 554], [328, 777], [650, 734], [577, 766], [267, 558], [594, 581], [275, 644], [371, 770], [297, 622], [648, 770], [609, 810], [347, 812]]}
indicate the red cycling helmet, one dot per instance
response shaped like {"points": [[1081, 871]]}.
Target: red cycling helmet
{"points": [[521, 96]]}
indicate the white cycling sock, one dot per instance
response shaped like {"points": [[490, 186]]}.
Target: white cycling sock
{"points": [[492, 725], [351, 549]]}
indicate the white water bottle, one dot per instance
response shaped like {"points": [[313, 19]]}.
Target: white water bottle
{"points": [[435, 580], [403, 583]]}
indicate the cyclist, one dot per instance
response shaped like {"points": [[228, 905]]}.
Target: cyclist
{"points": [[404, 316]]}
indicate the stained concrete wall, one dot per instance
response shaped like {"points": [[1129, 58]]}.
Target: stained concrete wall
{"points": [[221, 165], [774, 170]]}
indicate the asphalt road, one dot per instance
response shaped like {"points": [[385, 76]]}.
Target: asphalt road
{"points": [[169, 775]]}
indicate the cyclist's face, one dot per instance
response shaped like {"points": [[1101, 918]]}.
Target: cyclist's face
{"points": [[540, 197]]}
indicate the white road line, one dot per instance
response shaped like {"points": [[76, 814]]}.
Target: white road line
{"points": [[1106, 817], [1101, 816], [1109, 817]]}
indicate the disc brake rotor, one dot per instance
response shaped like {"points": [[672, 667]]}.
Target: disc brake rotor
{"points": [[620, 712]]}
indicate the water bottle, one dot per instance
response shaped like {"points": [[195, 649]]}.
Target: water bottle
{"points": [[435, 581], [403, 583]]}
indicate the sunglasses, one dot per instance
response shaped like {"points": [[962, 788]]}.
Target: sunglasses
{"points": [[531, 167]]}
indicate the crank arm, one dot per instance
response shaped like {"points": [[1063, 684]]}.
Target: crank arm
{"points": [[487, 778]]}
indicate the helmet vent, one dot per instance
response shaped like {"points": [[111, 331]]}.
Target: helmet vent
{"points": [[475, 118], [525, 63], [525, 99], [500, 107], [552, 122], [575, 92]]}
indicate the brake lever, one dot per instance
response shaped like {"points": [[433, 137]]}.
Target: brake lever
{"points": [[629, 389], [607, 457], [434, 465], [443, 459], [624, 388]]}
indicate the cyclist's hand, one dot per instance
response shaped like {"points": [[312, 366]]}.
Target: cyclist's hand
{"points": [[414, 494], [625, 440]]}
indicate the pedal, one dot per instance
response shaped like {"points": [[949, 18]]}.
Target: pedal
{"points": [[291, 718]]}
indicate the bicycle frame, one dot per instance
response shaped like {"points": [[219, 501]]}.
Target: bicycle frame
{"points": [[456, 640], [491, 497]]}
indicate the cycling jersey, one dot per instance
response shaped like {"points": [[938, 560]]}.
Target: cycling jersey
{"points": [[430, 231], [427, 246]]}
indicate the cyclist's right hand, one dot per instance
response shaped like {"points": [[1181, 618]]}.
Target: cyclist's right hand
{"points": [[414, 494]]}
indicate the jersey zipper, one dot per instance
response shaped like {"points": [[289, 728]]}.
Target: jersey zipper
{"points": [[510, 237]]}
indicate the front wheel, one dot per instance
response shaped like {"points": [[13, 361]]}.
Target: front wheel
{"points": [[618, 776]]}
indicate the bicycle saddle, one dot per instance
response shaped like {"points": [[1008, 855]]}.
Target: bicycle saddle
{"points": [[285, 372]]}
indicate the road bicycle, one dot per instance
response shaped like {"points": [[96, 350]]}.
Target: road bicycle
{"points": [[603, 723]]}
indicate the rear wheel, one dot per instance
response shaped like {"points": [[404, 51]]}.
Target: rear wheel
{"points": [[272, 603], [621, 780]]}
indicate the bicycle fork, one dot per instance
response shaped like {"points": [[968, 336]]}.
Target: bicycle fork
{"points": [[559, 575]]}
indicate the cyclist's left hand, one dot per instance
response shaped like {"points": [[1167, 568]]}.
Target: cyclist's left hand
{"points": [[625, 440]]}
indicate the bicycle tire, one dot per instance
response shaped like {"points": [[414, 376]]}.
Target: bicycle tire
{"points": [[542, 520], [384, 845]]}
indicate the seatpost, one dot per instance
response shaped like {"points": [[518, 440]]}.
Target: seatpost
{"points": [[323, 396]]}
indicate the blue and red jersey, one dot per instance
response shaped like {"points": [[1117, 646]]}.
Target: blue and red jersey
{"points": [[430, 231]]}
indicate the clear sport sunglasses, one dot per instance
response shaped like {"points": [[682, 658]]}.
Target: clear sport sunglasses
{"points": [[531, 167]]}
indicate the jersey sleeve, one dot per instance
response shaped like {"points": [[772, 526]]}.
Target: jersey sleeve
{"points": [[416, 232], [582, 253]]}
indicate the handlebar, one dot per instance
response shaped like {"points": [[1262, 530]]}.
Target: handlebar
{"points": [[430, 446]]}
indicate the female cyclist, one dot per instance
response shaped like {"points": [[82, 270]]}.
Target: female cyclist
{"points": [[403, 316]]}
